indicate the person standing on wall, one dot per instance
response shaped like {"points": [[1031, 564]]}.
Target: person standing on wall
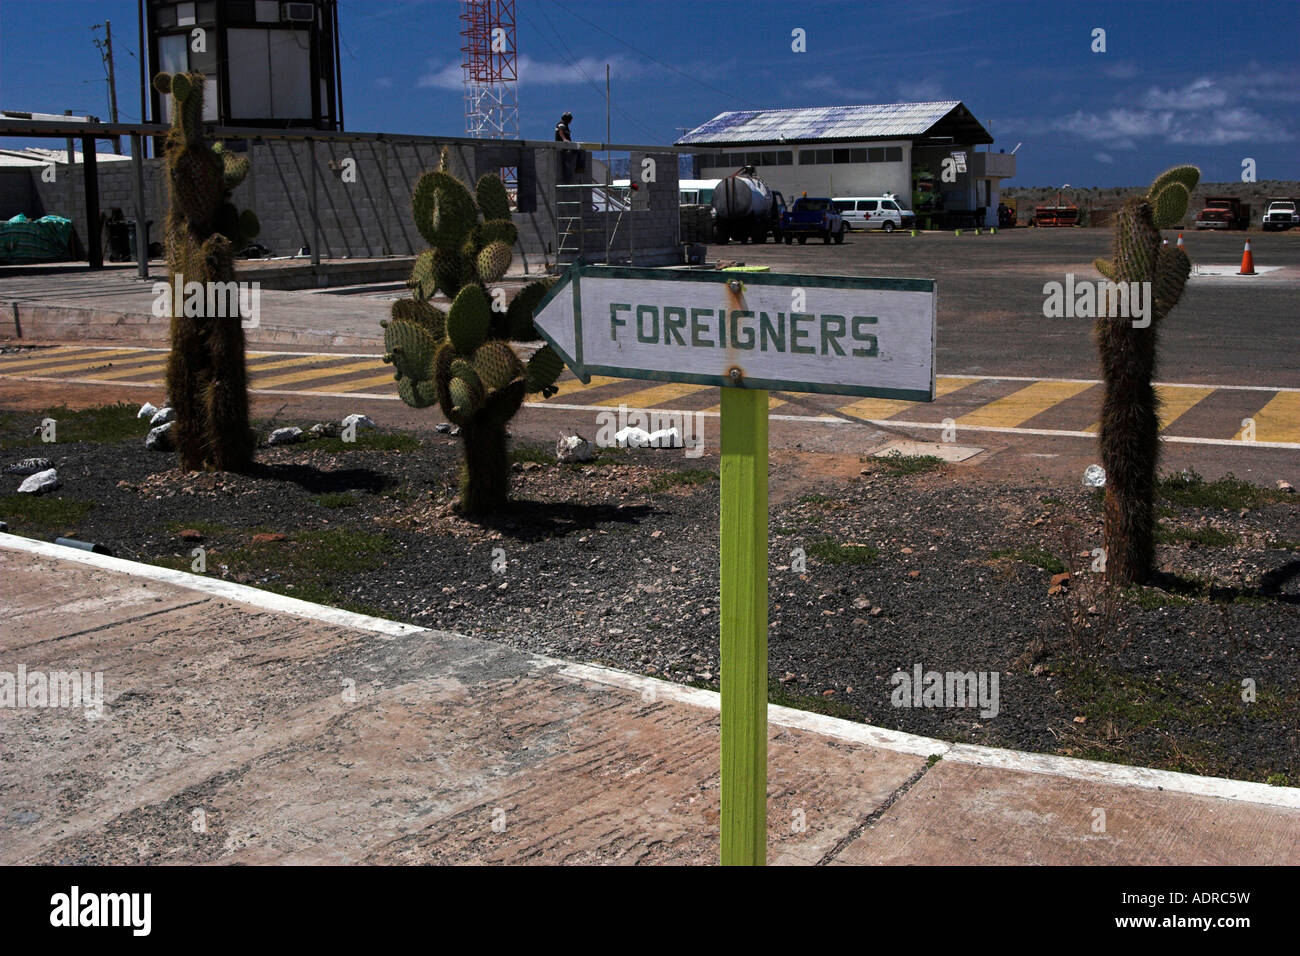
{"points": [[570, 160]]}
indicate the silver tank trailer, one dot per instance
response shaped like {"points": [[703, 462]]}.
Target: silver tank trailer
{"points": [[743, 206]]}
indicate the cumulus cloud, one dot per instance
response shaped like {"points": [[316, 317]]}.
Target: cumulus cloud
{"points": [[1103, 157]]}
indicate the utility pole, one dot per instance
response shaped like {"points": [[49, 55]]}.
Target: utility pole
{"points": [[106, 50]]}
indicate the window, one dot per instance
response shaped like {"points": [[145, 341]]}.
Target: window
{"points": [[857, 156], [887, 204], [268, 11], [867, 205], [839, 206], [876, 154], [841, 155], [825, 156], [807, 157], [769, 159], [893, 154], [185, 14]]}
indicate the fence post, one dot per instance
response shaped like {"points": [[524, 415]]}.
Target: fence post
{"points": [[141, 227]]}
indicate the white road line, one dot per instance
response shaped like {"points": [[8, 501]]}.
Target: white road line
{"points": [[846, 730]]}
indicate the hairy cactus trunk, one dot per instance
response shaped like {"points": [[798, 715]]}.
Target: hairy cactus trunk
{"points": [[1130, 448], [1130, 416], [207, 380]]}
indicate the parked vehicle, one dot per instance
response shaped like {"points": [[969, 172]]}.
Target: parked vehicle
{"points": [[1281, 214], [1224, 212], [812, 216], [874, 212], [746, 208]]}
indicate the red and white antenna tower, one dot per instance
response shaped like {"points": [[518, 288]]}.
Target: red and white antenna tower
{"points": [[491, 69]]}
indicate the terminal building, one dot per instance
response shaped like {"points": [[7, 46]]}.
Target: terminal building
{"points": [[843, 151]]}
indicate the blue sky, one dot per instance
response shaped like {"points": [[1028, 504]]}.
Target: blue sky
{"points": [[1188, 81]]}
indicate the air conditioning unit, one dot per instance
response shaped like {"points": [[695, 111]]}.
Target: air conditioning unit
{"points": [[298, 12]]}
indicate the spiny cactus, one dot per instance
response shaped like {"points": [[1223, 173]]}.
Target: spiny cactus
{"points": [[1130, 418], [462, 359], [206, 378]]}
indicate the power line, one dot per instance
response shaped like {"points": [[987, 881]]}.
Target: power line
{"points": [[578, 65], [666, 66]]}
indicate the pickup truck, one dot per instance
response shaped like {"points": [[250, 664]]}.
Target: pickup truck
{"points": [[1224, 212], [1281, 214], [810, 216]]}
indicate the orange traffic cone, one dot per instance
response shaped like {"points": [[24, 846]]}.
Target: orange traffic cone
{"points": [[1180, 241], [1247, 262]]}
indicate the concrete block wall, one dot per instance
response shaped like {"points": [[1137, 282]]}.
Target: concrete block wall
{"points": [[371, 216]]}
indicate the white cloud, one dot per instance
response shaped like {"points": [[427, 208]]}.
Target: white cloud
{"points": [[1120, 71], [1200, 94], [922, 91], [539, 72], [384, 82], [829, 86], [1103, 157]]}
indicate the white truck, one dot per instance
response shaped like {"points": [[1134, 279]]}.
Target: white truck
{"points": [[1281, 214]]}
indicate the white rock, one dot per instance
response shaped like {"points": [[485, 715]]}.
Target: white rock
{"points": [[323, 430], [163, 416], [1094, 476], [160, 438], [360, 421], [285, 436], [147, 410], [632, 437], [29, 466], [666, 438], [573, 448], [47, 480]]}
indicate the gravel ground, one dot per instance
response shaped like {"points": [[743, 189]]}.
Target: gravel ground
{"points": [[616, 562]]}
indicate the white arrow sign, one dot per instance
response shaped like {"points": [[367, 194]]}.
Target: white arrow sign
{"points": [[838, 335]]}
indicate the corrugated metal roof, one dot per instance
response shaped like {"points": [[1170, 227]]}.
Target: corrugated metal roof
{"points": [[820, 123]]}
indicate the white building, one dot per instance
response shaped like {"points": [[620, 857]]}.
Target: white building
{"points": [[862, 151]]}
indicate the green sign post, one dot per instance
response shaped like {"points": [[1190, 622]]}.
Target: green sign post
{"points": [[827, 334]]}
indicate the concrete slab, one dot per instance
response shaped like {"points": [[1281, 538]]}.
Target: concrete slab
{"points": [[946, 451], [244, 727], [959, 812]]}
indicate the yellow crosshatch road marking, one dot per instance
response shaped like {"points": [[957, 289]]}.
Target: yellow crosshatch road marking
{"points": [[878, 408], [283, 363], [129, 372], [314, 373], [48, 357], [1279, 420], [1175, 400], [1023, 404], [653, 397], [572, 385], [355, 384], [83, 361]]}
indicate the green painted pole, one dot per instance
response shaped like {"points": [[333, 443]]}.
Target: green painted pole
{"points": [[743, 547]]}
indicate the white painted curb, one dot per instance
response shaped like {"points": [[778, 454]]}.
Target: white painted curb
{"points": [[838, 728]]}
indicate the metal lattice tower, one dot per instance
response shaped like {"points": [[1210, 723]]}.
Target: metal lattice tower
{"points": [[490, 68]]}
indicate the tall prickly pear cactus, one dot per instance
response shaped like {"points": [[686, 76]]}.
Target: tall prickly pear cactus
{"points": [[1130, 418], [206, 378], [462, 358]]}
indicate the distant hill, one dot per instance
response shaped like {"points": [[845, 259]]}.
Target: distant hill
{"points": [[1097, 204]]}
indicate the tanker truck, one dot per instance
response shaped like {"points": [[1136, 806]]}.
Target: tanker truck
{"points": [[746, 208]]}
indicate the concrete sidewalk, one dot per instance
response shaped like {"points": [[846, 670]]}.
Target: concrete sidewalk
{"points": [[244, 727]]}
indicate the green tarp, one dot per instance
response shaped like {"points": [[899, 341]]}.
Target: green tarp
{"points": [[48, 239]]}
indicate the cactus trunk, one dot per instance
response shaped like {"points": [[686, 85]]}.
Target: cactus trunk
{"points": [[1130, 447], [485, 478]]}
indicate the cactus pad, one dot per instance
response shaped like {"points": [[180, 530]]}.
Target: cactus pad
{"points": [[492, 197], [468, 319], [543, 369], [493, 261]]}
